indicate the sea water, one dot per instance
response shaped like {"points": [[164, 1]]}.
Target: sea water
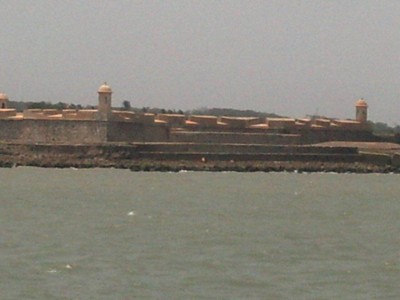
{"points": [[116, 234]]}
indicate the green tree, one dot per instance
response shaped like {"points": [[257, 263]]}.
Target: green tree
{"points": [[126, 105]]}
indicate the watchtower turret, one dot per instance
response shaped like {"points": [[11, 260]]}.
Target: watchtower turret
{"points": [[361, 111], [104, 108], [3, 101]]}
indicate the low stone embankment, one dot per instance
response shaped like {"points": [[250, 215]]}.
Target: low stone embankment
{"points": [[200, 157]]}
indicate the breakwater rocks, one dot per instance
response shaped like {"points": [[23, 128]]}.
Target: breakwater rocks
{"points": [[260, 166], [174, 158]]}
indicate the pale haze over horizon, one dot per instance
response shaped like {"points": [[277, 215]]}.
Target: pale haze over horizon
{"points": [[287, 57]]}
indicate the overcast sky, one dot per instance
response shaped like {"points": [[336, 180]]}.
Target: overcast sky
{"points": [[288, 57]]}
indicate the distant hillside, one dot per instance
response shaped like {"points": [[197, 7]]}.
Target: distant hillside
{"points": [[230, 112]]}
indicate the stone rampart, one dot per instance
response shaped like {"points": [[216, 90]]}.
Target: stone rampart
{"points": [[51, 112], [378, 158], [242, 149], [162, 152], [202, 121], [233, 137], [302, 157], [172, 119], [234, 122], [281, 123], [136, 132], [312, 136], [79, 131], [87, 114], [41, 129], [55, 131], [7, 113]]}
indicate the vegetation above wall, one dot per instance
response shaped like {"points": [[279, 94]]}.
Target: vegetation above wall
{"points": [[229, 112], [380, 128], [20, 106]]}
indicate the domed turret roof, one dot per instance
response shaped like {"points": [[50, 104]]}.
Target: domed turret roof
{"points": [[104, 88], [3, 96], [361, 103]]}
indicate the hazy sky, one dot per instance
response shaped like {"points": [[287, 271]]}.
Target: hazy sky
{"points": [[286, 56]]}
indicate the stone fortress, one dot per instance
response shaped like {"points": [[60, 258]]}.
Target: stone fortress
{"points": [[105, 125]]}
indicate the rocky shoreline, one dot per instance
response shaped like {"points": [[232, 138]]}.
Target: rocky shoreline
{"points": [[123, 157], [176, 166]]}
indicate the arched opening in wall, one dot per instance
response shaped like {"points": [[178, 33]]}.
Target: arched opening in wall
{"points": [[3, 105]]}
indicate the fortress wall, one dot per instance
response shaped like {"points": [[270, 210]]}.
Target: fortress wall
{"points": [[271, 136], [51, 112], [320, 157], [313, 136], [94, 155], [69, 114], [92, 131], [395, 138], [33, 114], [233, 122], [281, 123], [87, 114], [242, 149], [136, 132], [128, 116], [352, 125], [204, 121], [55, 131], [304, 122], [378, 158], [146, 118], [122, 115], [10, 129], [172, 119], [323, 122], [7, 112], [233, 138], [68, 111]]}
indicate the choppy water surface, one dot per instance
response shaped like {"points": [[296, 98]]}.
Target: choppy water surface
{"points": [[114, 234]]}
